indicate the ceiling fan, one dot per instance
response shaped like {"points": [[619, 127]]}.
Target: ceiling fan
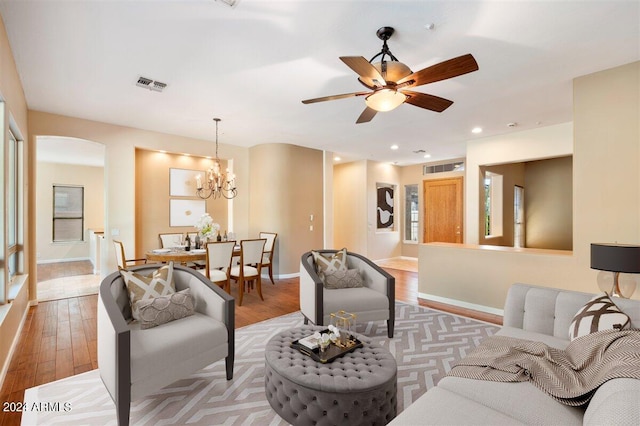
{"points": [[389, 81]]}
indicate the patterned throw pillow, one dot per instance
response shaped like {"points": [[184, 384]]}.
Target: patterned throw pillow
{"points": [[600, 313], [337, 262], [163, 309], [140, 287], [350, 278]]}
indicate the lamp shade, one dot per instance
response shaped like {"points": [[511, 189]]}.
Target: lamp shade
{"points": [[616, 258]]}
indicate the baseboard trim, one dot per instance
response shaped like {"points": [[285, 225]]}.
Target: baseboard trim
{"points": [[14, 345], [282, 276], [74, 259], [462, 304]]}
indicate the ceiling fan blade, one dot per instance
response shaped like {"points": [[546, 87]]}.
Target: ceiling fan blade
{"points": [[423, 100], [452, 68], [367, 72], [334, 97], [367, 115]]}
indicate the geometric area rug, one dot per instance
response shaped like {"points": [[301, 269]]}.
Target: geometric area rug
{"points": [[426, 344]]}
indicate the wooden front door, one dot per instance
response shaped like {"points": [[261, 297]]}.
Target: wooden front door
{"points": [[443, 210]]}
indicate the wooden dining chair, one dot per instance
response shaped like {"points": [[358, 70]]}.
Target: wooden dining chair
{"points": [[248, 271], [121, 259], [267, 255], [218, 263]]}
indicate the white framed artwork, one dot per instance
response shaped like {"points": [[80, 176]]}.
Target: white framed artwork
{"points": [[185, 212], [182, 182]]}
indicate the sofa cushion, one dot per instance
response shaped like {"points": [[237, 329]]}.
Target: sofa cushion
{"points": [[441, 407], [155, 348], [336, 262], [139, 287], [164, 309], [350, 278], [600, 313], [508, 398]]}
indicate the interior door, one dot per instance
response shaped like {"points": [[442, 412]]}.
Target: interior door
{"points": [[443, 210]]}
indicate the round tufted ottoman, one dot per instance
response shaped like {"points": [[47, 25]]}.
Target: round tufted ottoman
{"points": [[358, 388]]}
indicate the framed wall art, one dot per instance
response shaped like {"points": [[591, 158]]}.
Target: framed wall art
{"points": [[185, 212], [384, 206]]}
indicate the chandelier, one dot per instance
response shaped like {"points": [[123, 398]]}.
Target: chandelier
{"points": [[217, 183]]}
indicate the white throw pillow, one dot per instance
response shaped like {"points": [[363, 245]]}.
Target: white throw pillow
{"points": [[600, 313], [337, 262]]}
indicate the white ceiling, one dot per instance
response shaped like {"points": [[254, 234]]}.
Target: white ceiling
{"points": [[252, 65]]}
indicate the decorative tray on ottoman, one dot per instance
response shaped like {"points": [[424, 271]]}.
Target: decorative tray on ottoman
{"points": [[332, 352]]}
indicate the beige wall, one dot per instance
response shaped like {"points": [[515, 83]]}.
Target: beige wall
{"points": [[11, 92], [120, 148], [606, 188], [152, 197], [354, 207], [92, 179], [350, 206], [548, 203], [286, 189]]}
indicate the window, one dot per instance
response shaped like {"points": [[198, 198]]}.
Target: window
{"points": [[12, 247], [411, 213], [68, 213], [492, 204]]}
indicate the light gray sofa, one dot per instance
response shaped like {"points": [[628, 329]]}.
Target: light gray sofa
{"points": [[373, 302], [540, 314]]}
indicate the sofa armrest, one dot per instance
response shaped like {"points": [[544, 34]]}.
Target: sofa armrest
{"points": [[616, 402]]}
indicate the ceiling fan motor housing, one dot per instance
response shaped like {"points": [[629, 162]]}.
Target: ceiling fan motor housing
{"points": [[394, 71]]}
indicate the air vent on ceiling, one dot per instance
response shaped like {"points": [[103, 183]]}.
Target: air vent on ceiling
{"points": [[458, 166], [150, 84], [230, 3]]}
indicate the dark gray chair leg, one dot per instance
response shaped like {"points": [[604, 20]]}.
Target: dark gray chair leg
{"points": [[390, 325], [228, 361], [306, 321], [122, 414]]}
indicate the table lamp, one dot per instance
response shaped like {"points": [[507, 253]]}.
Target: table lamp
{"points": [[617, 258]]}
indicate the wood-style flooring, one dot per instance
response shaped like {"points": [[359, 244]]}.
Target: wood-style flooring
{"points": [[59, 337]]}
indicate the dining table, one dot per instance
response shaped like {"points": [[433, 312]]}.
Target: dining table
{"points": [[180, 255]]}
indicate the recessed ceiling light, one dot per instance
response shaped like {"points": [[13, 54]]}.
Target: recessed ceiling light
{"points": [[337, 158], [394, 147], [186, 155], [162, 151], [476, 130], [427, 156]]}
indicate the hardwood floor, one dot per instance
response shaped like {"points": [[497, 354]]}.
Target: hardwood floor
{"points": [[59, 337]]}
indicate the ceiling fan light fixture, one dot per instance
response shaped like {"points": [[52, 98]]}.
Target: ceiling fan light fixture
{"points": [[385, 100]]}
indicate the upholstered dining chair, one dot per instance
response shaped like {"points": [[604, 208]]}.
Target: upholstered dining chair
{"points": [[218, 263], [170, 240], [121, 259], [248, 271], [134, 362], [267, 256]]}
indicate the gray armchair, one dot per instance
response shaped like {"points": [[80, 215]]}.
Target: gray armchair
{"points": [[373, 302], [134, 362]]}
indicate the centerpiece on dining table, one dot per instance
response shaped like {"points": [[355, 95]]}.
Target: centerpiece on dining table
{"points": [[207, 229]]}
